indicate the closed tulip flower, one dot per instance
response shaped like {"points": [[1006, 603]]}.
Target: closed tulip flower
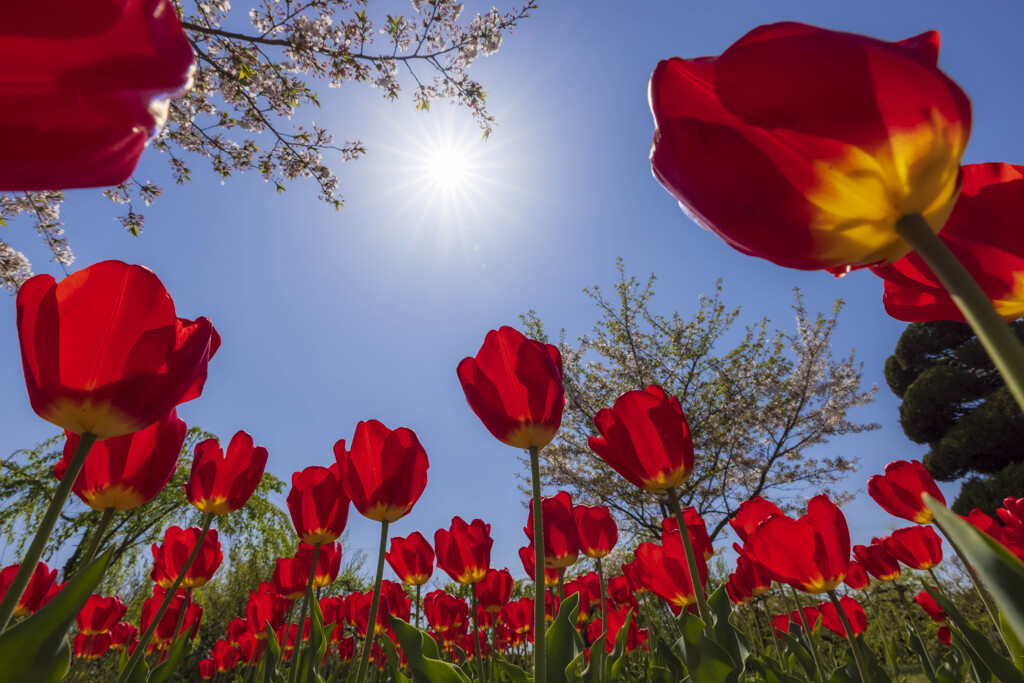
{"points": [[518, 614], [385, 472], [621, 592], [780, 624], [207, 669], [1012, 515], [264, 608], [359, 613], [346, 649], [86, 646], [221, 483], [747, 582], [696, 529], [170, 557], [444, 612], [854, 612], [899, 490], [806, 146], [595, 529], [811, 554], [318, 505], [328, 563], [646, 439], [397, 600], [100, 614], [514, 385], [561, 546], [930, 606], [104, 352], [856, 576], [877, 559], [811, 614], [526, 555], [464, 551], [125, 472], [290, 578], [35, 595], [662, 569], [224, 656], [121, 635], [180, 609], [411, 558], [918, 547], [494, 590], [236, 627], [751, 513]]}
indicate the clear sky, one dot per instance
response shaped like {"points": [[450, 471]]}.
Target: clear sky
{"points": [[330, 318]]}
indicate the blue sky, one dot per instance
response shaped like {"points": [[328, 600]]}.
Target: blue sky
{"points": [[331, 318]]}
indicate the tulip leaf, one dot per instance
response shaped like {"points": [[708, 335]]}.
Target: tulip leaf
{"points": [[180, 648], [768, 671], [416, 644], [979, 671], [659, 674], [918, 648], [317, 641], [1012, 642], [514, 673], [952, 669], [1000, 571], [726, 633], [797, 651], [36, 649], [706, 660], [272, 658], [978, 643], [563, 641], [594, 671], [394, 662]]}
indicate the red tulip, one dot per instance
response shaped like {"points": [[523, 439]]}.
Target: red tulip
{"points": [[945, 636], [751, 513], [169, 558], [328, 563], [289, 578], [495, 590], [918, 547], [561, 546], [318, 504], [359, 612], [983, 234], [93, 85], [104, 352], [747, 582], [264, 608], [616, 620], [35, 595], [854, 612], [595, 529], [629, 570], [125, 472], [385, 472], [236, 627], [224, 656], [518, 614], [929, 605], [346, 649], [220, 484], [514, 385], [781, 624], [877, 559], [100, 614], [207, 669], [621, 592], [811, 614], [899, 490], [121, 634], [88, 646], [1012, 514], [526, 556], [444, 612], [663, 570], [464, 552], [856, 576], [1006, 535], [810, 162], [411, 558], [167, 627], [696, 529], [811, 554], [333, 608], [398, 603], [645, 438]]}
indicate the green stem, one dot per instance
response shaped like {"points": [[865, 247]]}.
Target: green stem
{"points": [[42, 535], [928, 665], [539, 661], [97, 537], [371, 624], [418, 605], [561, 589], [177, 627], [938, 584], [297, 654], [811, 645], [691, 564], [990, 606], [999, 341], [604, 608], [476, 638], [494, 649], [775, 638], [858, 656], [140, 649]]}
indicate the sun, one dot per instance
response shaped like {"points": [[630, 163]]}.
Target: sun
{"points": [[448, 167]]}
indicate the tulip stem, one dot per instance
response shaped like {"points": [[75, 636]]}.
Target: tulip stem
{"points": [[419, 604], [97, 537], [42, 535], [371, 624], [773, 635], [297, 656], [1002, 345], [928, 665], [604, 608], [938, 584], [858, 656], [539, 661], [476, 637], [691, 564], [561, 589], [140, 649], [811, 645]]}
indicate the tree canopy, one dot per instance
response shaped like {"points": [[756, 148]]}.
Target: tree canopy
{"points": [[756, 406]]}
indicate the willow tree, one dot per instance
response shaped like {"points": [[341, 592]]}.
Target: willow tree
{"points": [[761, 401]]}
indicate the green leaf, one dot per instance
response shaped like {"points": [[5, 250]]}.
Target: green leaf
{"points": [[1012, 642], [514, 673], [999, 570], [706, 660], [769, 671], [563, 641], [978, 643], [417, 646], [726, 633], [666, 656], [917, 647], [180, 648], [36, 649], [394, 662], [796, 650], [272, 657]]}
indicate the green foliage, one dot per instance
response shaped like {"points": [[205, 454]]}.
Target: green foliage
{"points": [[956, 402]]}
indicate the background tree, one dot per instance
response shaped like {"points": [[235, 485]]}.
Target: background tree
{"points": [[955, 402], [255, 72], [755, 407]]}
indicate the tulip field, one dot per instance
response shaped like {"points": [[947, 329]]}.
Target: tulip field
{"points": [[764, 146]]}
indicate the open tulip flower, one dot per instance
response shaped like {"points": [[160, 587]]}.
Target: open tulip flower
{"points": [[644, 437], [899, 490], [328, 563], [514, 385], [93, 86], [318, 504], [983, 233], [104, 352], [125, 472], [853, 611], [806, 146], [221, 483], [169, 558], [751, 513], [561, 545], [878, 560], [810, 614], [1007, 535], [595, 529], [411, 558], [100, 614], [41, 581], [1012, 514], [464, 551], [385, 472], [811, 554], [918, 547], [695, 528]]}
